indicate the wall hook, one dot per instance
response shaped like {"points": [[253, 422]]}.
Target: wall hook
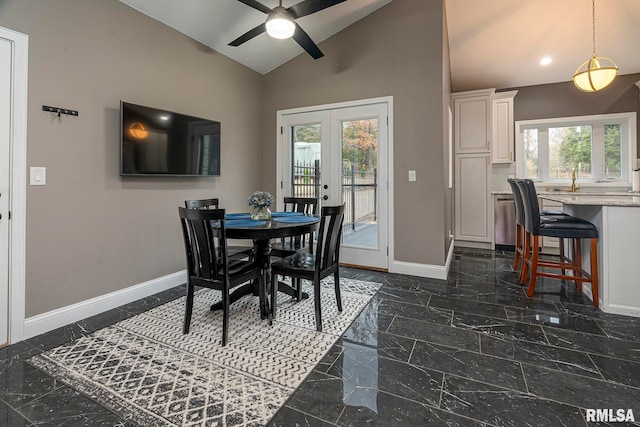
{"points": [[60, 111]]}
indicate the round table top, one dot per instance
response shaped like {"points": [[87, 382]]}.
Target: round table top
{"points": [[238, 226]]}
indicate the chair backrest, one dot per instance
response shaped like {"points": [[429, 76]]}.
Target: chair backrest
{"points": [[530, 203], [305, 205], [202, 204], [329, 235], [205, 242], [517, 200]]}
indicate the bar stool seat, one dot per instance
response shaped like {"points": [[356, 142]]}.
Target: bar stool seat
{"points": [[567, 227], [563, 227]]}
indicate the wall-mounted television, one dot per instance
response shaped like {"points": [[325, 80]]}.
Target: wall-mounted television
{"points": [[163, 143]]}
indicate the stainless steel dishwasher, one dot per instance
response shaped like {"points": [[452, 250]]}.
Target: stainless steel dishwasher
{"points": [[505, 222]]}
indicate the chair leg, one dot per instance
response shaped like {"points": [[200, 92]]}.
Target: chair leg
{"points": [[274, 297], [525, 258], [516, 261], [562, 254], [188, 308], [225, 316], [298, 289], [336, 281], [534, 266], [577, 254], [594, 272], [316, 295], [262, 298]]}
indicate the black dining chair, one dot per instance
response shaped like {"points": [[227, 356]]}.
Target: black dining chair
{"points": [[289, 245], [317, 265], [560, 226], [208, 263], [235, 252]]}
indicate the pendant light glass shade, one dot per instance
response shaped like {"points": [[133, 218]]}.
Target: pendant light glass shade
{"points": [[598, 72], [595, 74], [279, 24]]}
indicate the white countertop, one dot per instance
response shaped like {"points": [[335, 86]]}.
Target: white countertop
{"points": [[594, 199]]}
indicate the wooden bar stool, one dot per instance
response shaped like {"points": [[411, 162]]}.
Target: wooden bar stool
{"points": [[521, 230], [564, 227]]}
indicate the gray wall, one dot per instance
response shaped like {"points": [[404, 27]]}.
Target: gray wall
{"points": [[395, 51], [446, 104], [89, 231], [564, 100]]}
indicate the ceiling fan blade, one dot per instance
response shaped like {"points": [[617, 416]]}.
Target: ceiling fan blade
{"points": [[306, 43], [249, 35], [308, 7], [256, 5]]}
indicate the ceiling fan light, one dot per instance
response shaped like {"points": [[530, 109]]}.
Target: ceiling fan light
{"points": [[595, 74], [279, 24]]}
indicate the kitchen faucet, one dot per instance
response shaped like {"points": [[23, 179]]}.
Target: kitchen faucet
{"points": [[574, 187]]}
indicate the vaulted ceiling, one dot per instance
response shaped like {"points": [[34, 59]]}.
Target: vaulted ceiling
{"points": [[493, 43], [499, 43], [215, 23]]}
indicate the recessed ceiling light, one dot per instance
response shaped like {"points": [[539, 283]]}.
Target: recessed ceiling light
{"points": [[545, 61], [164, 118]]}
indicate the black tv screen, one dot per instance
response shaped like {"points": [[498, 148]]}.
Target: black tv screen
{"points": [[159, 142]]}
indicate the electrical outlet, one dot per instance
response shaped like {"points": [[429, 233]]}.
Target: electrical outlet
{"points": [[412, 176]]}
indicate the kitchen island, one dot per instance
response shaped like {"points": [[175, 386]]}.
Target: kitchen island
{"points": [[617, 217]]}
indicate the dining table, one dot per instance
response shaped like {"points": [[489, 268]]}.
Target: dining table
{"points": [[261, 232]]}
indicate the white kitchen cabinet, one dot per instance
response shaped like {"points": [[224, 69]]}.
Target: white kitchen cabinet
{"points": [[502, 134], [472, 198], [472, 121]]}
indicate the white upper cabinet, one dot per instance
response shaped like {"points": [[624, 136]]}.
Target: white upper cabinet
{"points": [[472, 118], [502, 148]]}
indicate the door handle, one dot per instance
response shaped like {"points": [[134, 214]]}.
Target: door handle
{"points": [[325, 197]]}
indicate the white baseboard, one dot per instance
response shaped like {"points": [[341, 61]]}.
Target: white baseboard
{"points": [[424, 270], [51, 320], [474, 245]]}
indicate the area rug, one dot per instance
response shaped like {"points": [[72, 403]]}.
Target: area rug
{"points": [[148, 372]]}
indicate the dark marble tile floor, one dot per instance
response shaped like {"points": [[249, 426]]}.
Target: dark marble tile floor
{"points": [[469, 351]]}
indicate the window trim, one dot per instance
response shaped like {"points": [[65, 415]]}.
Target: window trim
{"points": [[628, 140]]}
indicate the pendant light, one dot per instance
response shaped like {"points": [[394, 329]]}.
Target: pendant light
{"points": [[599, 71], [279, 23]]}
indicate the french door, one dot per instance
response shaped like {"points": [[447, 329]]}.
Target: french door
{"points": [[5, 135], [340, 155]]}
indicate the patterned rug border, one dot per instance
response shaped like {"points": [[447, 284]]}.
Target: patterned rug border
{"points": [[275, 391]]}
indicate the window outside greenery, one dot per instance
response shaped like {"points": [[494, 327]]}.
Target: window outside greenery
{"points": [[598, 148]]}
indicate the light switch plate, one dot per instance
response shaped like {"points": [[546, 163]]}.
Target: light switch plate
{"points": [[38, 175], [412, 176]]}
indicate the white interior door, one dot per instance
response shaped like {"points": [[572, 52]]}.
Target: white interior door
{"points": [[339, 155], [5, 134]]}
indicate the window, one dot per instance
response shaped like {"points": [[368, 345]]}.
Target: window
{"points": [[599, 148]]}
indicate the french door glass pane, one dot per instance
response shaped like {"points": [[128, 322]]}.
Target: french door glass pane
{"points": [[305, 168], [612, 152], [569, 148], [359, 182], [531, 153]]}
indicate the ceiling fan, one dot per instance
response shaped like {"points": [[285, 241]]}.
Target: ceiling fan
{"points": [[281, 23]]}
